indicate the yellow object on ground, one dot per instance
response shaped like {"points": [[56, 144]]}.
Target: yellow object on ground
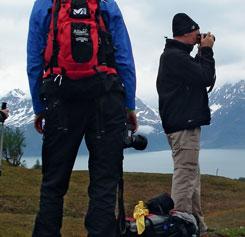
{"points": [[140, 211]]}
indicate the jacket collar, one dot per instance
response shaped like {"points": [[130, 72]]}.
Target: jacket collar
{"points": [[172, 43]]}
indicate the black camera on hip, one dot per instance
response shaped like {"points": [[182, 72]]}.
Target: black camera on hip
{"points": [[138, 142]]}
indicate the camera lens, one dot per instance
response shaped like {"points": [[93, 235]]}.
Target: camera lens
{"points": [[139, 142]]}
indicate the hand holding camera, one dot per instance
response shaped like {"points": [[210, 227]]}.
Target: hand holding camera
{"points": [[206, 40], [138, 142]]}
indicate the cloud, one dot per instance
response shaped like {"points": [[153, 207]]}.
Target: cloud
{"points": [[14, 76], [230, 73], [145, 129], [13, 41], [147, 22]]}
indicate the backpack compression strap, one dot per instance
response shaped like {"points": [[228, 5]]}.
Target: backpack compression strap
{"points": [[54, 58]]}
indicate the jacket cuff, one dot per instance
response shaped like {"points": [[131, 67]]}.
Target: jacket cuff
{"points": [[38, 110], [207, 51], [130, 105]]}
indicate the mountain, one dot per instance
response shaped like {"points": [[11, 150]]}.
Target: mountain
{"points": [[227, 129], [21, 112], [21, 115], [150, 125]]}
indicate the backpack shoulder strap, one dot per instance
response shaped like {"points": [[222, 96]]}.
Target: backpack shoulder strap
{"points": [[54, 60], [100, 19]]}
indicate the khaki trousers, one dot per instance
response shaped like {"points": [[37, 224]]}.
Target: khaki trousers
{"points": [[186, 185]]}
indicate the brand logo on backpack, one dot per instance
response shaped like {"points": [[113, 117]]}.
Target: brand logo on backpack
{"points": [[81, 11]]}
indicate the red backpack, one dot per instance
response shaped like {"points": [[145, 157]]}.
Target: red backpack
{"points": [[78, 45]]}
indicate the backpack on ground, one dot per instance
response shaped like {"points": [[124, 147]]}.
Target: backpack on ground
{"points": [[79, 45], [161, 226], [160, 222]]}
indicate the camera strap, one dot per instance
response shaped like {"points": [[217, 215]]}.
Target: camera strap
{"points": [[212, 86], [121, 210]]}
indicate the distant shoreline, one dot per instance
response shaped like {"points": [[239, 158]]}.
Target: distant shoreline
{"points": [[226, 162]]}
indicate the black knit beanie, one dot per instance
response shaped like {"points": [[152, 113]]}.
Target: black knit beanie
{"points": [[183, 24]]}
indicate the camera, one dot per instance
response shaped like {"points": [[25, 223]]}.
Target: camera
{"points": [[199, 36], [138, 142]]}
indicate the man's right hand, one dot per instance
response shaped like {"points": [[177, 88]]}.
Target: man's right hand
{"points": [[207, 41], [132, 120], [38, 123]]}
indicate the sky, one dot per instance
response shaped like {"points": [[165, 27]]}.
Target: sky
{"points": [[148, 22]]}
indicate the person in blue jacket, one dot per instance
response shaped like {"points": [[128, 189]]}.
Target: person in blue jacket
{"points": [[64, 120]]}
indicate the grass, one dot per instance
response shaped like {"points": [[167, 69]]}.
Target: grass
{"points": [[223, 201]]}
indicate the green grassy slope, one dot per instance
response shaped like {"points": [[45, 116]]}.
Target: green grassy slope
{"points": [[223, 201]]}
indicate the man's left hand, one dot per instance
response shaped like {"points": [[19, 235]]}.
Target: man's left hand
{"points": [[38, 123]]}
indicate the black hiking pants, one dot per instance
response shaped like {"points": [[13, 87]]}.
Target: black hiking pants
{"points": [[102, 121]]}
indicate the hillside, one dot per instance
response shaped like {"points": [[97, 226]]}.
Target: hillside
{"points": [[223, 201]]}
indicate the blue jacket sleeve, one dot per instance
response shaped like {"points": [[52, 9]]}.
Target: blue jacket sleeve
{"points": [[36, 42], [123, 54]]}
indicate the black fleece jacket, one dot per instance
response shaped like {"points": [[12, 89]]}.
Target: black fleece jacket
{"points": [[182, 83]]}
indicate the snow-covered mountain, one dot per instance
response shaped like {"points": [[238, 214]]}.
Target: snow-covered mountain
{"points": [[226, 131], [150, 125], [21, 115], [21, 112]]}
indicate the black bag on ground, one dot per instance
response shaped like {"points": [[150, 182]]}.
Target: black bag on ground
{"points": [[161, 226], [161, 204], [160, 223]]}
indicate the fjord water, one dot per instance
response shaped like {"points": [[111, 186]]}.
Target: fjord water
{"points": [[227, 163]]}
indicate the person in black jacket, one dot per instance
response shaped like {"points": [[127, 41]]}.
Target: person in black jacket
{"points": [[182, 85], [4, 113]]}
